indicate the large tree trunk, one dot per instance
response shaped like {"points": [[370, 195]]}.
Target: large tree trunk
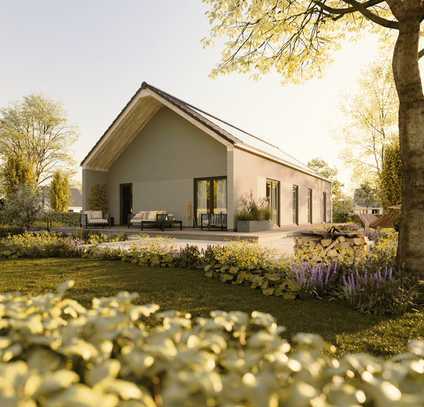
{"points": [[411, 133]]}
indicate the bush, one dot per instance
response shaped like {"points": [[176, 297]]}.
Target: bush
{"points": [[253, 265], [23, 206], [97, 200], [254, 210], [383, 252], [95, 238], [6, 230], [55, 352], [36, 245], [62, 219], [382, 292]]}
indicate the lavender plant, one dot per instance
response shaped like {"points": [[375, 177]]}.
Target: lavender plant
{"points": [[382, 291], [318, 280]]}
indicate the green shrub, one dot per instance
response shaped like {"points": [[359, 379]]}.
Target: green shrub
{"points": [[383, 252], [250, 209], [98, 238], [23, 207], [58, 219], [36, 245], [253, 265], [6, 230], [382, 291], [55, 352], [97, 199]]}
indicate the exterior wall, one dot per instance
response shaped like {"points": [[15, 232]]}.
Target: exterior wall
{"points": [[370, 210], [162, 162], [90, 178], [250, 175]]}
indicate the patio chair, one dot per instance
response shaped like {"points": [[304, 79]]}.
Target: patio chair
{"points": [[94, 219], [213, 221]]}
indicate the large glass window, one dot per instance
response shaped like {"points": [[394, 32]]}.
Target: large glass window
{"points": [[210, 196], [273, 197]]}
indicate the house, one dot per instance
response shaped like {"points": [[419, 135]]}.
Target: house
{"points": [[161, 153], [366, 203]]}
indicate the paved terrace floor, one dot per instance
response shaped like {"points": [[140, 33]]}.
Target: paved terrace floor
{"points": [[280, 240]]}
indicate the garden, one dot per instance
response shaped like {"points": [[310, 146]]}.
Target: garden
{"points": [[94, 325], [87, 322]]}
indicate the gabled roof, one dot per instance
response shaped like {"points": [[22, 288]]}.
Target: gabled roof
{"points": [[154, 98]]}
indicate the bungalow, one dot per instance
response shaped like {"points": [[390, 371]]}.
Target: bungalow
{"points": [[161, 153]]}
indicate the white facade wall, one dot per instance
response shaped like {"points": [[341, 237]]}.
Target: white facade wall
{"points": [[251, 172]]}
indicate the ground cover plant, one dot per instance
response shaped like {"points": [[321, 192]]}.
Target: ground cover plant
{"points": [[373, 286], [55, 352], [188, 291]]}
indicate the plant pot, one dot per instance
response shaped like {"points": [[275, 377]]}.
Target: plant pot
{"points": [[250, 226]]}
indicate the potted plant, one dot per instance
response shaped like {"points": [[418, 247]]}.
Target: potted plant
{"points": [[253, 216]]}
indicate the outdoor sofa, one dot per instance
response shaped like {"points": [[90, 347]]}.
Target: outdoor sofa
{"points": [[94, 219], [154, 219]]}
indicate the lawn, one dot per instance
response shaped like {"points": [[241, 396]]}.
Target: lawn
{"points": [[189, 290]]}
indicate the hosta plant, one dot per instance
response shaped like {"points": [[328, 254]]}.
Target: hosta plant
{"points": [[55, 352]]}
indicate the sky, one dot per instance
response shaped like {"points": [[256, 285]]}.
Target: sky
{"points": [[93, 55]]}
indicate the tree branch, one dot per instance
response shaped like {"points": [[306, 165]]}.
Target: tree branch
{"points": [[363, 9], [346, 10]]}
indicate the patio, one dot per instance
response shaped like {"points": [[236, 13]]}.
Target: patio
{"points": [[280, 240]]}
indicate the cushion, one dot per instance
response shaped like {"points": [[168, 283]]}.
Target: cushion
{"points": [[97, 221], [139, 216], [151, 215], [94, 214]]}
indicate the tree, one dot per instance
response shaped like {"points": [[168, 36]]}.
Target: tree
{"points": [[97, 200], [17, 172], [36, 130], [60, 191], [342, 204], [371, 122], [296, 37], [390, 181]]}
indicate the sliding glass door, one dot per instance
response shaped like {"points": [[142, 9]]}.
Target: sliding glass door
{"points": [[210, 196]]}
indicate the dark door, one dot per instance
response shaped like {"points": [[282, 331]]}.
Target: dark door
{"points": [[126, 202], [296, 204], [273, 197]]}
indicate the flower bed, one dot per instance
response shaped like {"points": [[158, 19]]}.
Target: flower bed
{"points": [[375, 287], [55, 352]]}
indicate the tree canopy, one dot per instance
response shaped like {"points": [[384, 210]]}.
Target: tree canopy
{"points": [[60, 191], [16, 172], [295, 37], [37, 130], [371, 121]]}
